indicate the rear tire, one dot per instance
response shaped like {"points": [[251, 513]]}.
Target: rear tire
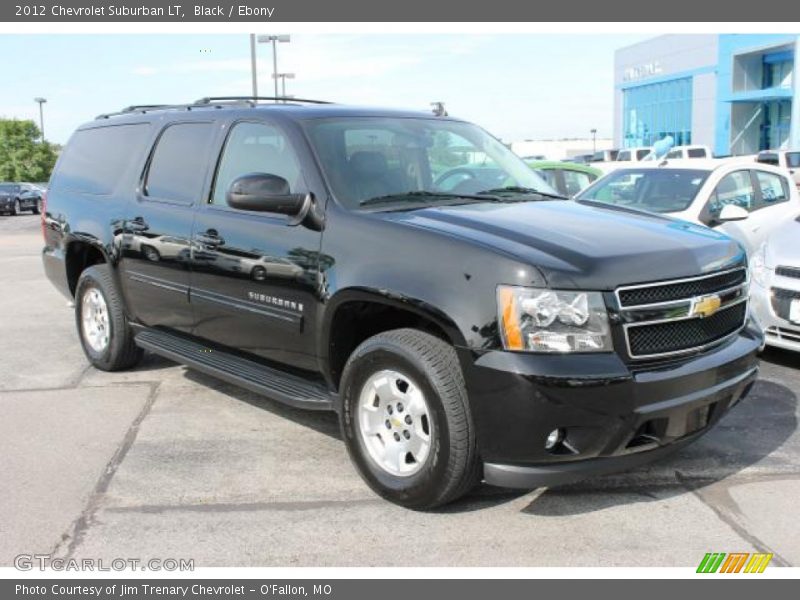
{"points": [[106, 335], [424, 403], [16, 210]]}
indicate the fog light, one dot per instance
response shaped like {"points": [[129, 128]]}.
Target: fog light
{"points": [[553, 438]]}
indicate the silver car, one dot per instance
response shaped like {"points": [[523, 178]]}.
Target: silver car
{"points": [[775, 286]]}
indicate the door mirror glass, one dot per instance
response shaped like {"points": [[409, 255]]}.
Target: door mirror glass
{"points": [[264, 192], [731, 212]]}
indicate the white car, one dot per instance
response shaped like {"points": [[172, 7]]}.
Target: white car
{"points": [[743, 199], [775, 286]]}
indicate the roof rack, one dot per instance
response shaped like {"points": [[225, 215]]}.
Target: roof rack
{"points": [[254, 99], [215, 101]]}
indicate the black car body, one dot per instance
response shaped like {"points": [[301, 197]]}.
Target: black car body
{"points": [[16, 197], [651, 343]]}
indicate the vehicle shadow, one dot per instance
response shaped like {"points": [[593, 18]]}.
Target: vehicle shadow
{"points": [[747, 435], [325, 422]]}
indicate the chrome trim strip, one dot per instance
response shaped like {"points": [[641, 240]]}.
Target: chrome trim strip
{"points": [[655, 305], [673, 282], [725, 306]]}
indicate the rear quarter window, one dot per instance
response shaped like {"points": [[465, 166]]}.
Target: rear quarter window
{"points": [[94, 160]]}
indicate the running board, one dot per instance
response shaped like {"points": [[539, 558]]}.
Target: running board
{"points": [[273, 383]]}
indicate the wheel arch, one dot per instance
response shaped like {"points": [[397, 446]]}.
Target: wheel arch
{"points": [[355, 314]]}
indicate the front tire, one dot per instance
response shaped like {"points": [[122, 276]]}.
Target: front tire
{"points": [[105, 333], [37, 207], [405, 419]]}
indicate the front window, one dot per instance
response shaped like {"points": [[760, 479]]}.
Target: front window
{"points": [[654, 190], [417, 160], [793, 160], [9, 188]]}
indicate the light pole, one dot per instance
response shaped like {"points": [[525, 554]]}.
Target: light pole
{"points": [[253, 64], [41, 102], [263, 39], [594, 140], [283, 77]]}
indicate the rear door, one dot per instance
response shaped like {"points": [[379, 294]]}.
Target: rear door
{"points": [[255, 274], [157, 228]]}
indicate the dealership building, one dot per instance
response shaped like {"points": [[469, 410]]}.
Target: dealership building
{"points": [[734, 93]]}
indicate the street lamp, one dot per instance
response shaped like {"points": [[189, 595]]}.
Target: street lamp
{"points": [[253, 64], [594, 139], [263, 39], [283, 77], [41, 102]]}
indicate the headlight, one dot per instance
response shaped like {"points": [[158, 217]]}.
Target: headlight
{"points": [[540, 320], [758, 266]]}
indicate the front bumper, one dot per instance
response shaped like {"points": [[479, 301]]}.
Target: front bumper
{"points": [[778, 332], [615, 415]]}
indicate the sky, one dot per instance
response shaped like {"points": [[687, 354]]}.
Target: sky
{"points": [[530, 86]]}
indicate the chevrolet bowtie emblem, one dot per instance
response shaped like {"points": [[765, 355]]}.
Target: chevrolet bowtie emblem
{"points": [[705, 306]]}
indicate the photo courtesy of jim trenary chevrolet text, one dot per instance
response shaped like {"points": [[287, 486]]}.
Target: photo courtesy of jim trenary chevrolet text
{"points": [[351, 299]]}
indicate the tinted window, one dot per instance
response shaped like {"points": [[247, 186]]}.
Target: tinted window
{"points": [[95, 159], [697, 153], [654, 190], [793, 160], [624, 155], [769, 159], [640, 154], [256, 148], [735, 188], [549, 175], [773, 188], [12, 189], [179, 162], [575, 181]]}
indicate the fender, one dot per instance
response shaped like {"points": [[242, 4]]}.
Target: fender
{"points": [[380, 296]]}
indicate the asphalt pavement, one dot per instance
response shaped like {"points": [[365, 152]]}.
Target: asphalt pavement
{"points": [[163, 462]]}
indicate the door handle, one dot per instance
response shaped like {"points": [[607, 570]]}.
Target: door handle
{"points": [[210, 238]]}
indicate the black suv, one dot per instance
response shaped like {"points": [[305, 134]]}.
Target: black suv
{"points": [[407, 271]]}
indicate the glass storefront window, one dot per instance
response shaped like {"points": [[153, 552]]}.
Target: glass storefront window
{"points": [[653, 111]]}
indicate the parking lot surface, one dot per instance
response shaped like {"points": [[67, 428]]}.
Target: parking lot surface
{"points": [[163, 462]]}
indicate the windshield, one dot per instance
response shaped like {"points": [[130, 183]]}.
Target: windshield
{"points": [[654, 190], [9, 187], [417, 160]]}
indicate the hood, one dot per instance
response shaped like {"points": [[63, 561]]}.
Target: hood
{"points": [[782, 248], [578, 245]]}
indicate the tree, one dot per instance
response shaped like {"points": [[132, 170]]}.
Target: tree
{"points": [[22, 157]]}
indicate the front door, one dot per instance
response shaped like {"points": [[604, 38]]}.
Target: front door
{"points": [[254, 275]]}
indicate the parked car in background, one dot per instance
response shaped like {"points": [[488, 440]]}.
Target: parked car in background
{"points": [[775, 286], [788, 159], [604, 156], [679, 152], [16, 197], [566, 178], [743, 199]]}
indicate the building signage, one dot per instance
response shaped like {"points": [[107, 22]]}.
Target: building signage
{"points": [[642, 71]]}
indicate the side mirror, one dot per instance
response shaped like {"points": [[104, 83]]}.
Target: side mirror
{"points": [[265, 192], [731, 212]]}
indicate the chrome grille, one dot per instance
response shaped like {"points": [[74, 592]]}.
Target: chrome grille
{"points": [[681, 316]]}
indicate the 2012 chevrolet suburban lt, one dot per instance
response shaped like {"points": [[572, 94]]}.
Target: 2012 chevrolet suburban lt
{"points": [[407, 271]]}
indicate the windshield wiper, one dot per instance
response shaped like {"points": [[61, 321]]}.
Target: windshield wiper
{"points": [[514, 189], [417, 195]]}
